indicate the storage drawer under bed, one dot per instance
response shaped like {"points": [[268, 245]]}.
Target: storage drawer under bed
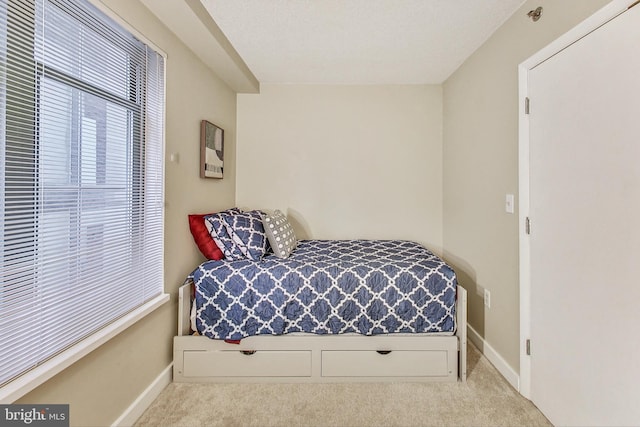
{"points": [[399, 363], [340, 358], [235, 363]]}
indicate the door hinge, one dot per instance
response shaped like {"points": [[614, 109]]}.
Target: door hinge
{"points": [[527, 225], [527, 102], [528, 347]]}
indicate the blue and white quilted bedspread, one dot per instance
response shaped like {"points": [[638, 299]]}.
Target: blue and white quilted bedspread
{"points": [[327, 287]]}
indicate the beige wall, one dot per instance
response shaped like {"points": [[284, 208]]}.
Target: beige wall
{"points": [[345, 161], [481, 166], [103, 384]]}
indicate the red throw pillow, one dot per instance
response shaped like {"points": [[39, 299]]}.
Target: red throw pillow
{"points": [[203, 239]]}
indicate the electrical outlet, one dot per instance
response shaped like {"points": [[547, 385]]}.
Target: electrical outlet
{"points": [[487, 298]]}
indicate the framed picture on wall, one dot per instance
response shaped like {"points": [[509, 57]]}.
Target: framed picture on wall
{"points": [[211, 150]]}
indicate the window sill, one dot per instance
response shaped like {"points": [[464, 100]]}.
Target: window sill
{"points": [[37, 376]]}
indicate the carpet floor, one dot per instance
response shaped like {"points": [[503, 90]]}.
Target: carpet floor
{"points": [[486, 399]]}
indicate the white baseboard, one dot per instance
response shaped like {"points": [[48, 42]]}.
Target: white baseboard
{"points": [[146, 398], [494, 357]]}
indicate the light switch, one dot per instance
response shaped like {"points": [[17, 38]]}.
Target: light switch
{"points": [[174, 157], [509, 203]]}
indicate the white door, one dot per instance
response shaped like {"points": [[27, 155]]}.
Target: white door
{"points": [[584, 198]]}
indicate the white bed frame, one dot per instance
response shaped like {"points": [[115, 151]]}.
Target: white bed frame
{"points": [[320, 358]]}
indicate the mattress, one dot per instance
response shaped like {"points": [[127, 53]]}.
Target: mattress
{"points": [[367, 287]]}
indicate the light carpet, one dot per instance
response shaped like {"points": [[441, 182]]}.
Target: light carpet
{"points": [[486, 399]]}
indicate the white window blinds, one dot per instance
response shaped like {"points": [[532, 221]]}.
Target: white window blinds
{"points": [[81, 177]]}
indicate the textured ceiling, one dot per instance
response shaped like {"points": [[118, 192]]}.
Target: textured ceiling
{"points": [[357, 41]]}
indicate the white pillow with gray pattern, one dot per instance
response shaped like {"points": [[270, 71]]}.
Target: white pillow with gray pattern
{"points": [[280, 233]]}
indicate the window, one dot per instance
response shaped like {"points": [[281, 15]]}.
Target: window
{"points": [[81, 177]]}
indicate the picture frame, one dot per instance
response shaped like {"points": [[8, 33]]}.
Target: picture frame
{"points": [[211, 150]]}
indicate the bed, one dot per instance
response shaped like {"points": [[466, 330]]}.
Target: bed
{"points": [[331, 311]]}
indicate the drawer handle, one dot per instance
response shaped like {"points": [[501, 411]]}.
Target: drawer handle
{"points": [[248, 352], [383, 352]]}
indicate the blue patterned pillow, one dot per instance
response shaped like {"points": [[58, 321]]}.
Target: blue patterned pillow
{"points": [[246, 231], [217, 228]]}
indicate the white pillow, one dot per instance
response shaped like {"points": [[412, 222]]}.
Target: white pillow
{"points": [[279, 233]]}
